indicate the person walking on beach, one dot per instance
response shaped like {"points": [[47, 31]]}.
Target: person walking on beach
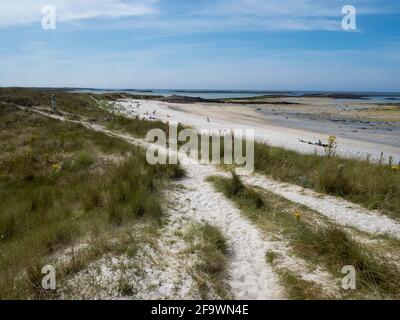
{"points": [[53, 102]]}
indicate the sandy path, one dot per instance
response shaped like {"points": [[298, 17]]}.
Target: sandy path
{"points": [[338, 210], [240, 117], [250, 276]]}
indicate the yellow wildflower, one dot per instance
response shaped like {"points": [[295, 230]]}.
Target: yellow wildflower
{"points": [[332, 140], [331, 146], [56, 167], [298, 214], [396, 168]]}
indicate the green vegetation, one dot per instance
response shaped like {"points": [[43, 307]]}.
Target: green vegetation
{"points": [[299, 289], [93, 108], [373, 185], [209, 244], [135, 126], [61, 183], [76, 103], [317, 241], [336, 248]]}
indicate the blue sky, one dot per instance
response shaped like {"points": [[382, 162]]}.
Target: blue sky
{"points": [[187, 44]]}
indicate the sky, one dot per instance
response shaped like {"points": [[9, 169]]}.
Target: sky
{"points": [[202, 44]]}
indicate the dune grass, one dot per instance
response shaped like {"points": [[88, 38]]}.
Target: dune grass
{"points": [[135, 126], [86, 105], [209, 244], [331, 245], [318, 243], [76, 103], [60, 183], [298, 288], [373, 185]]}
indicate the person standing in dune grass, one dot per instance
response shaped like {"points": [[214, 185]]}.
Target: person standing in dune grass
{"points": [[53, 103]]}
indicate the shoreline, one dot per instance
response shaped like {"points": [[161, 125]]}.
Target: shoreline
{"points": [[268, 130]]}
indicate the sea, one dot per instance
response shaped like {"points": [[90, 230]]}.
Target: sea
{"points": [[376, 97]]}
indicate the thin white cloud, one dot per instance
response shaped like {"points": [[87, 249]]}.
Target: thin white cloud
{"points": [[273, 15], [198, 24], [29, 11], [293, 8], [196, 16], [287, 8]]}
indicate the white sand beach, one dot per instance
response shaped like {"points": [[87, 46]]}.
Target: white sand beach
{"points": [[227, 116]]}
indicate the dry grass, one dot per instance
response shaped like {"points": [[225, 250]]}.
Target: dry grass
{"points": [[78, 104], [299, 289], [57, 187], [320, 244], [209, 244], [373, 185]]}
